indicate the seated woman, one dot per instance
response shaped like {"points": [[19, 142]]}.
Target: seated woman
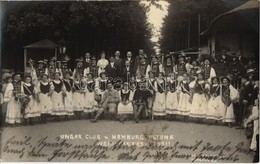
{"points": [[125, 107]]}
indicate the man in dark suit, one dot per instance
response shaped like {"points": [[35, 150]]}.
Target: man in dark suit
{"points": [[128, 71], [87, 60], [112, 69], [118, 61], [130, 59]]}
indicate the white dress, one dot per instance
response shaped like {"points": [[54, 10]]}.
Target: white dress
{"points": [[254, 117], [184, 105], [199, 106], [78, 97], [171, 98], [45, 103], [214, 104], [32, 109], [68, 100], [228, 111], [127, 108], [159, 106], [89, 97], [13, 112], [58, 98]]}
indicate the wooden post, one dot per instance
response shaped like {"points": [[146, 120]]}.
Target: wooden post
{"points": [[56, 57], [25, 58]]}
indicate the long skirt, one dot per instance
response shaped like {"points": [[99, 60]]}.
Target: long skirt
{"points": [[159, 105], [13, 112], [171, 103], [45, 104], [184, 105], [125, 109], [253, 144], [78, 101], [199, 106], [58, 104], [214, 108], [68, 103], [228, 113], [89, 100], [32, 109]]}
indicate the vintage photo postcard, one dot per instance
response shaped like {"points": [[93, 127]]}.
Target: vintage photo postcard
{"points": [[166, 81]]}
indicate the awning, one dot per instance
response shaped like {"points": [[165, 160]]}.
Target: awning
{"points": [[243, 18], [45, 44]]}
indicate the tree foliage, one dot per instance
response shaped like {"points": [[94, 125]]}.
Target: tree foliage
{"points": [[80, 26], [184, 14]]}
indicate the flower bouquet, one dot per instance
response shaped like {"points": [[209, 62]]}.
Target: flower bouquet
{"points": [[24, 101]]}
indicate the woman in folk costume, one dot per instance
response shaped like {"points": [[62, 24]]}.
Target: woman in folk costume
{"points": [[12, 94], [255, 118], [44, 97], [171, 97], [58, 95], [68, 100], [228, 95], [102, 83], [31, 109], [200, 89], [89, 94], [184, 104], [215, 103], [78, 96], [125, 107], [102, 63], [159, 101]]}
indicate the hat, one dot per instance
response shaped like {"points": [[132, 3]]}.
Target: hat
{"points": [[40, 61], [79, 60], [250, 71], [225, 77], [93, 58]]}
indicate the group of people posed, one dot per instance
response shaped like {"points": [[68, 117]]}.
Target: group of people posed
{"points": [[144, 87]]}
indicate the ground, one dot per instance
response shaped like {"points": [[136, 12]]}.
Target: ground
{"points": [[204, 139]]}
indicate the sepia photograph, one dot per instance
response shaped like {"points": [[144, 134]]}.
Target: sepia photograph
{"points": [[169, 81]]}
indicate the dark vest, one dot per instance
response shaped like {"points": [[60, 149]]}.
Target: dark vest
{"points": [[160, 86], [68, 85], [125, 96], [215, 90], [91, 86], [172, 86], [57, 87], [28, 90], [45, 88]]}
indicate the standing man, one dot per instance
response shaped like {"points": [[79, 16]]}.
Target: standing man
{"points": [[112, 69], [87, 60], [130, 59], [138, 59], [110, 100], [118, 62], [128, 71]]}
